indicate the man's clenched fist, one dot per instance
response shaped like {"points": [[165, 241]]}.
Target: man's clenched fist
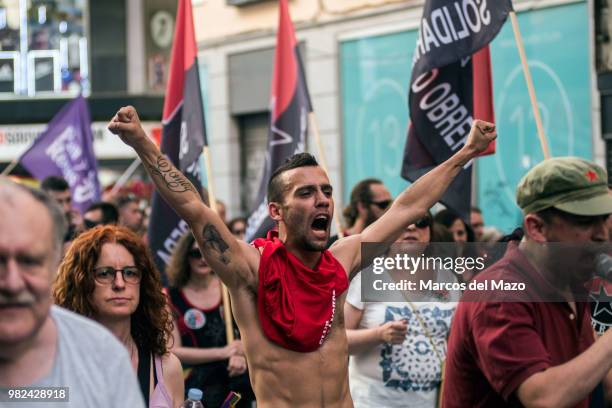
{"points": [[126, 124], [481, 134]]}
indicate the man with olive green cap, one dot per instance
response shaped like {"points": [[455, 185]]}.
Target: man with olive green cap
{"points": [[537, 353]]}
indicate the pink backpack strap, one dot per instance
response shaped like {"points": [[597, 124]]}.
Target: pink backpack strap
{"points": [[161, 397]]}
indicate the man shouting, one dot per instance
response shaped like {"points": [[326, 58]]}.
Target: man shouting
{"points": [[286, 289]]}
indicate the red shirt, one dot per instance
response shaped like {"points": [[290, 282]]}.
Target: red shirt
{"points": [[495, 346], [297, 304]]}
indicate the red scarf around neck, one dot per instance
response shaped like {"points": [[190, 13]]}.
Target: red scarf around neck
{"points": [[296, 304]]}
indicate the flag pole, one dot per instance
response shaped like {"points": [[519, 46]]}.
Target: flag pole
{"points": [[125, 176], [10, 167], [315, 129], [530, 87], [227, 308]]}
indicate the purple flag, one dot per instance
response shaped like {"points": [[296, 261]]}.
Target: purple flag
{"points": [[65, 149]]}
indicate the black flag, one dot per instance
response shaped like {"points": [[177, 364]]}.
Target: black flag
{"points": [[290, 106], [183, 134], [451, 83]]}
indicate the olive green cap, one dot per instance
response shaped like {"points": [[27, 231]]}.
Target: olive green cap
{"points": [[570, 184]]}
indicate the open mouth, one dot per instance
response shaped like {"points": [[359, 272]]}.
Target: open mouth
{"points": [[320, 223]]}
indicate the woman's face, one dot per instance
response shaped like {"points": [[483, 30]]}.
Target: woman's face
{"points": [[196, 261], [458, 230], [239, 229], [117, 283]]}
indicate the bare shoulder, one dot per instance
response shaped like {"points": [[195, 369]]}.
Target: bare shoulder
{"points": [[173, 377], [172, 365], [347, 250]]}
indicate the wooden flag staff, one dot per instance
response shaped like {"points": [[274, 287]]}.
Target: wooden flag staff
{"points": [[10, 167], [315, 129], [227, 309], [530, 87], [125, 176]]}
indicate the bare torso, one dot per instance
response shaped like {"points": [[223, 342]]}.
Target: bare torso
{"points": [[285, 378]]}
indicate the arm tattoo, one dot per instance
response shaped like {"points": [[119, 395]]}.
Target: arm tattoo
{"points": [[214, 242], [174, 180]]}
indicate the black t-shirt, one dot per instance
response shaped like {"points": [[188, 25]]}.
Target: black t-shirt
{"points": [[205, 328]]}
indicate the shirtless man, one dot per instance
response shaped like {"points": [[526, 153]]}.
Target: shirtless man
{"points": [[300, 201]]}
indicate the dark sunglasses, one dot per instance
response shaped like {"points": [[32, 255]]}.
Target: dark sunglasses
{"points": [[91, 224], [383, 205], [106, 274], [423, 223], [194, 253]]}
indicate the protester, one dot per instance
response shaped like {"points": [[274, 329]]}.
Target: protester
{"points": [[368, 202], [199, 333], [477, 223], [43, 345], [460, 230], [130, 214], [397, 348], [59, 190], [440, 233], [284, 309], [237, 226], [108, 275], [100, 213], [537, 353]]}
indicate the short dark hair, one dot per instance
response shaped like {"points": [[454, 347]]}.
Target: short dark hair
{"points": [[549, 213], [447, 217], [475, 209], [275, 185], [126, 199], [110, 214], [361, 193], [54, 183], [234, 221]]}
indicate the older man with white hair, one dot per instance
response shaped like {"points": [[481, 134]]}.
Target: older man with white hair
{"points": [[47, 353]]}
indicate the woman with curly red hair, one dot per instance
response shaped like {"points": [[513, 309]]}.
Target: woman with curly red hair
{"points": [[109, 276]]}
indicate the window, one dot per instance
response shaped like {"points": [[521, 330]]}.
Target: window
{"points": [[43, 47]]}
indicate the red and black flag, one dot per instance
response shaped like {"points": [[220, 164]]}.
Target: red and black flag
{"points": [[290, 106], [183, 134], [451, 84]]}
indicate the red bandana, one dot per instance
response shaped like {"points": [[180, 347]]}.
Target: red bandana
{"points": [[297, 304]]}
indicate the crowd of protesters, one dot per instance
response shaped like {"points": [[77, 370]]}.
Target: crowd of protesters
{"points": [[61, 272]]}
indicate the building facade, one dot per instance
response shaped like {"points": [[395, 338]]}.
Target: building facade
{"points": [[115, 52], [357, 56]]}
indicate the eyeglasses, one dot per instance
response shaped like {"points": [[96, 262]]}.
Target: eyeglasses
{"points": [[106, 275], [382, 204], [194, 253], [423, 223]]}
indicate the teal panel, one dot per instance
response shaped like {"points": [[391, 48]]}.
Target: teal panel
{"points": [[557, 46], [375, 72]]}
